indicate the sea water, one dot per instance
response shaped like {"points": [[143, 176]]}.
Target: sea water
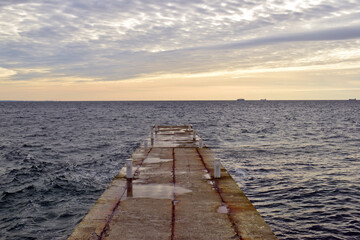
{"points": [[297, 161]]}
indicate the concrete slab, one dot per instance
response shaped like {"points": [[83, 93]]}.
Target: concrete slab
{"points": [[196, 213]]}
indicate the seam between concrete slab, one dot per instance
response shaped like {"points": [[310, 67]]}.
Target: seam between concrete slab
{"points": [[218, 190], [106, 227]]}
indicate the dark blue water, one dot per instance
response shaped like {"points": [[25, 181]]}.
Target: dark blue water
{"points": [[297, 161]]}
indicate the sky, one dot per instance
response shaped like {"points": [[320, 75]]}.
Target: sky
{"points": [[179, 50]]}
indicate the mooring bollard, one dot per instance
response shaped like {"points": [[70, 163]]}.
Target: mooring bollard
{"points": [[217, 168], [129, 173], [145, 144], [194, 135], [200, 143], [152, 137]]}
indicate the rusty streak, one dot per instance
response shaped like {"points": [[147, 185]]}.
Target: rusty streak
{"points": [[106, 227], [173, 200], [218, 190]]}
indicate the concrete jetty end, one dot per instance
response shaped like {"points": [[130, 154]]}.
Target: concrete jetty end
{"points": [[168, 190]]}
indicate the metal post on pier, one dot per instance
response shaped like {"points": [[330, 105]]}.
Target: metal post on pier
{"points": [[152, 137], [129, 172], [145, 144], [217, 167]]}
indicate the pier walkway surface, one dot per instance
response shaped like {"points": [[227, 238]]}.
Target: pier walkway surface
{"points": [[173, 195]]}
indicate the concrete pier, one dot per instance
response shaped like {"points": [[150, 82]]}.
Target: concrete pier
{"points": [[173, 195]]}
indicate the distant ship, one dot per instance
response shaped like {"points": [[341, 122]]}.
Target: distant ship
{"points": [[263, 99], [240, 100], [352, 99]]}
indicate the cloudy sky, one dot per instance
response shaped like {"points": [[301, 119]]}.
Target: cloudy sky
{"points": [[178, 50]]}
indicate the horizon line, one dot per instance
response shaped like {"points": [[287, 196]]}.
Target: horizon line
{"points": [[224, 100]]}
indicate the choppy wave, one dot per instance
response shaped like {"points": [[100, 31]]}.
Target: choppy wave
{"points": [[297, 161]]}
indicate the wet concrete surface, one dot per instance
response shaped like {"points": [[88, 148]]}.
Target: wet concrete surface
{"points": [[173, 195]]}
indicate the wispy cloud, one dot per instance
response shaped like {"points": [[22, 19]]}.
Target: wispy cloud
{"points": [[6, 72], [333, 34]]}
